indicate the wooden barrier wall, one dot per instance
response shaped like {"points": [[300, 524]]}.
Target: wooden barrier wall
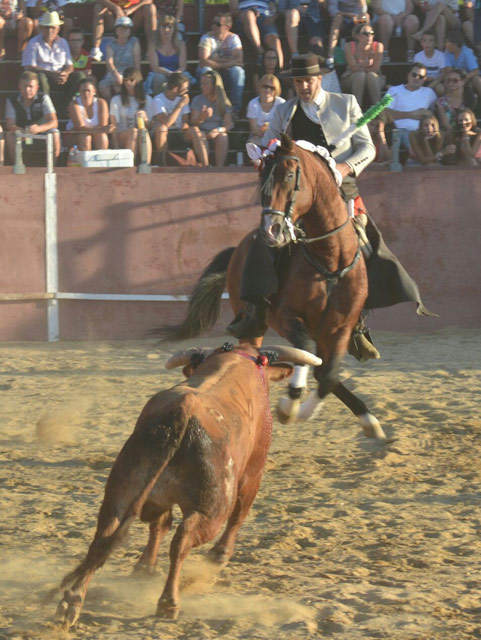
{"points": [[120, 232]]}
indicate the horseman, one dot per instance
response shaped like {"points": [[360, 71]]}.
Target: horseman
{"points": [[319, 117]]}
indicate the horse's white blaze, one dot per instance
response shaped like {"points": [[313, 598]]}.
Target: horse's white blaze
{"points": [[371, 426], [298, 380], [310, 407]]}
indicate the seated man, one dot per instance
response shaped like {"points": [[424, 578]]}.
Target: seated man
{"points": [[142, 13], [257, 19], [221, 50], [13, 19], [410, 102], [459, 56], [171, 111], [48, 55], [303, 16], [31, 111]]}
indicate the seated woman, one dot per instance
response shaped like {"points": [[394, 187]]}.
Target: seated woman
{"points": [[166, 54], [89, 119], [129, 112], [211, 111], [427, 144], [448, 105], [122, 52], [467, 138], [395, 16], [269, 64], [260, 109], [363, 57]]}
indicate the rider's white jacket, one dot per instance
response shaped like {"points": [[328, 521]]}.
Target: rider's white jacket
{"points": [[336, 112]]}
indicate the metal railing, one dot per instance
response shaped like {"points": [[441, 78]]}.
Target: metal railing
{"points": [[19, 166]]}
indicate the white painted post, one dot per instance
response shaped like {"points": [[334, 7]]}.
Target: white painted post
{"points": [[51, 248]]}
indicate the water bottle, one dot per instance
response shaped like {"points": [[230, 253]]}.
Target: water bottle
{"points": [[28, 140], [73, 159], [398, 31]]}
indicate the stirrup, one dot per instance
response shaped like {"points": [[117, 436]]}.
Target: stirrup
{"points": [[362, 346]]}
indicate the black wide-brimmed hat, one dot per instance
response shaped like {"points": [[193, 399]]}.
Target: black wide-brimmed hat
{"points": [[308, 64]]}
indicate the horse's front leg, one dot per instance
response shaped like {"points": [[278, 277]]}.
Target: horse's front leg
{"points": [[293, 329]]}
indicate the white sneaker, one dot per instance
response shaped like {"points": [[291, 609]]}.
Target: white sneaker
{"points": [[330, 63], [96, 54]]}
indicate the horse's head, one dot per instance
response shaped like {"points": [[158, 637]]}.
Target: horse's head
{"points": [[282, 199]]}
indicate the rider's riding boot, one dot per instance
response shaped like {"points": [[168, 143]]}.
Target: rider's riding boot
{"points": [[249, 322], [361, 345]]}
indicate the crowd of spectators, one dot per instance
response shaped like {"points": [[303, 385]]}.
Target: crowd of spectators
{"points": [[434, 110]]}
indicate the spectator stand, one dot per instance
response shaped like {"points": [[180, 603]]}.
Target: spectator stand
{"points": [[198, 17]]}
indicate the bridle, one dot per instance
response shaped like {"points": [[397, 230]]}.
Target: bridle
{"points": [[297, 234]]}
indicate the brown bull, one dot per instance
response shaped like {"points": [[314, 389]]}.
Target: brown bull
{"points": [[201, 445]]}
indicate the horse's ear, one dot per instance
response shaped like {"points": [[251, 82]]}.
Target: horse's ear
{"points": [[286, 142]]}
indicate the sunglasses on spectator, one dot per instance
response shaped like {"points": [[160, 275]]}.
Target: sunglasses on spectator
{"points": [[456, 80], [367, 33], [268, 86], [217, 23], [421, 76]]}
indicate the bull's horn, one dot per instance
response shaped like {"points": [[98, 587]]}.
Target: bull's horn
{"points": [[296, 356], [182, 358]]}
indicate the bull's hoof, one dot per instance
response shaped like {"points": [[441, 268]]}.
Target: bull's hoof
{"points": [[167, 609], [143, 569], [218, 557], [371, 427], [287, 410], [68, 610]]}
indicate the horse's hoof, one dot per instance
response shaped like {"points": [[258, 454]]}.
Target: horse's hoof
{"points": [[167, 609], [287, 410], [371, 427], [311, 407], [68, 610]]}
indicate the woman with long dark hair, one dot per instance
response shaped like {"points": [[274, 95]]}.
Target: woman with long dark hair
{"points": [[131, 111]]}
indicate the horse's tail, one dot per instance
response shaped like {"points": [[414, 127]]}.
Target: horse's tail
{"points": [[204, 302]]}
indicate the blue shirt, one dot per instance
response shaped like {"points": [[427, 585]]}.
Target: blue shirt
{"points": [[466, 59]]}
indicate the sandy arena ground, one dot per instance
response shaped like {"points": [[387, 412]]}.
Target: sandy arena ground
{"points": [[348, 538]]}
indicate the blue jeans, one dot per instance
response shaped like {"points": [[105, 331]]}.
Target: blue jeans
{"points": [[234, 80]]}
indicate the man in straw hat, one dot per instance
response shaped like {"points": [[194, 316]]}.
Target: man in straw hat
{"points": [[319, 117], [48, 55]]}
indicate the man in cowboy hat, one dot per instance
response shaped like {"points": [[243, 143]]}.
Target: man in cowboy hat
{"points": [[319, 116], [48, 55]]}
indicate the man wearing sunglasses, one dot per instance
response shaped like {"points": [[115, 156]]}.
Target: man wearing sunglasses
{"points": [[411, 101], [221, 50]]}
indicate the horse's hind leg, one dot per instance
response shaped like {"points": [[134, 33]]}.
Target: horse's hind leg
{"points": [[157, 530], [370, 424]]}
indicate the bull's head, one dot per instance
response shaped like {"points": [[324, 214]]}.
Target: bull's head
{"points": [[191, 358]]}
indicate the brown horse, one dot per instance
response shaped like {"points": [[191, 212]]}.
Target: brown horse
{"points": [[322, 281]]}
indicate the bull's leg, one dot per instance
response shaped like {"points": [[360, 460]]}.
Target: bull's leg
{"points": [[157, 531], [107, 536], [370, 424], [194, 530], [222, 551]]}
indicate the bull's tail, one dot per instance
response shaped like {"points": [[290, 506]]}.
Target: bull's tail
{"points": [[154, 446], [204, 303]]}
